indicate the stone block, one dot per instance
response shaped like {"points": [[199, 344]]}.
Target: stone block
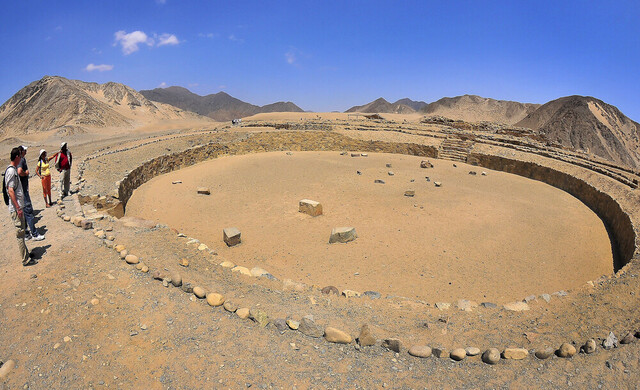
{"points": [[204, 191], [231, 236], [310, 207], [342, 234], [86, 224]]}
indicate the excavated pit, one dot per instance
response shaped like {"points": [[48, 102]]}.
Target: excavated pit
{"points": [[498, 237]]}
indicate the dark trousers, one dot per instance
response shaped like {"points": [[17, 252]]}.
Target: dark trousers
{"points": [[28, 214]]}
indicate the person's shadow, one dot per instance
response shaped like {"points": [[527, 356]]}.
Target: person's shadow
{"points": [[39, 251]]}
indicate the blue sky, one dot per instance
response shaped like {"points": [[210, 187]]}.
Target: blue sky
{"points": [[331, 55]]}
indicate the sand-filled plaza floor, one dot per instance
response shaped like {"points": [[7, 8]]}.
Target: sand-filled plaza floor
{"points": [[496, 237]]}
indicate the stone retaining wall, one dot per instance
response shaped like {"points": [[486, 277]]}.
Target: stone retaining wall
{"points": [[262, 142], [617, 222]]}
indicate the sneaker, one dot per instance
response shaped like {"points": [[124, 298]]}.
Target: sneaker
{"points": [[39, 237], [27, 237]]}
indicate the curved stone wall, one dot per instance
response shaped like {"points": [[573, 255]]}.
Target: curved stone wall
{"points": [[616, 220]]}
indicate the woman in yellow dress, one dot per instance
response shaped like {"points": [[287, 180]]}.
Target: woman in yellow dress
{"points": [[44, 173]]}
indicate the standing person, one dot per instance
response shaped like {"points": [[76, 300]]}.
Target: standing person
{"points": [[63, 165], [16, 203], [44, 173], [23, 172]]}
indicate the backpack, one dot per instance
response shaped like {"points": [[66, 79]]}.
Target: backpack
{"points": [[5, 194]]}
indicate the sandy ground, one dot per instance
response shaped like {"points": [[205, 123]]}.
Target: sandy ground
{"points": [[494, 238]]}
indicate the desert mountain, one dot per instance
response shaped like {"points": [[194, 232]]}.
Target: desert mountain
{"points": [[219, 106], [471, 108], [416, 105], [382, 106], [588, 124], [62, 105]]}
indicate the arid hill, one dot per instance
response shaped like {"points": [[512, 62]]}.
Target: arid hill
{"points": [[588, 124], [380, 105], [416, 105], [72, 106], [471, 108], [219, 106]]}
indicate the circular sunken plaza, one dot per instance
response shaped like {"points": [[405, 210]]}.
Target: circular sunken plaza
{"points": [[479, 229]]}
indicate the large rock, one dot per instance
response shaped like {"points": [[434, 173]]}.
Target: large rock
{"points": [[394, 345], [342, 234], [6, 368], [589, 347], [199, 292], [366, 338], [309, 327], [231, 236], [131, 259], [566, 350], [458, 354], [491, 356], [610, 342], [215, 299], [334, 335], [517, 306], [310, 207], [515, 353], [259, 317], [421, 351]]}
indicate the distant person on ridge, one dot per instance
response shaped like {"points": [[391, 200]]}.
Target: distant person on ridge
{"points": [[44, 173], [63, 165], [23, 172], [14, 198]]}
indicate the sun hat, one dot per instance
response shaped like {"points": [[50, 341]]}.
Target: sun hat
{"points": [[63, 144], [24, 147], [41, 151]]}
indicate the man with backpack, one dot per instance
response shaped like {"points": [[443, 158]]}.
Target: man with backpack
{"points": [[14, 198], [63, 165]]}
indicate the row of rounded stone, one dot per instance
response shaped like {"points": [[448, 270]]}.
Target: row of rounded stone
{"points": [[310, 328]]}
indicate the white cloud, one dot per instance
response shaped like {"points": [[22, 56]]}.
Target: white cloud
{"points": [[162, 85], [233, 38], [208, 35], [291, 57], [99, 68], [130, 42], [167, 39]]}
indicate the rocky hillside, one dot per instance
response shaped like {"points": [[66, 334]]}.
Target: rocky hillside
{"points": [[471, 108], [380, 105], [219, 106], [58, 104], [588, 124]]}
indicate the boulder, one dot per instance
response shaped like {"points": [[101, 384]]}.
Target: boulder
{"points": [[366, 338], [215, 299], [310, 207], [343, 235], [515, 353], [334, 335], [231, 236], [421, 351], [309, 327]]}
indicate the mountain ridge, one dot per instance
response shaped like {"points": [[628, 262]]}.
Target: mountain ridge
{"points": [[219, 106]]}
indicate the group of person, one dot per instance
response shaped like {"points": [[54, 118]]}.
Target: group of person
{"points": [[17, 197]]}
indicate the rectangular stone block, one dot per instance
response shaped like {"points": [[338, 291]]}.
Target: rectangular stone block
{"points": [[342, 234], [231, 236], [310, 207], [204, 191]]}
